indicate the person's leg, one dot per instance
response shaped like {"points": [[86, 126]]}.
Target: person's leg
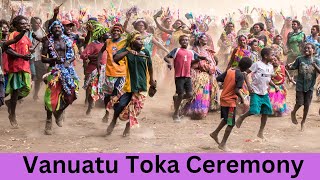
{"points": [[178, 99], [37, 85], [215, 133], [13, 105], [48, 127], [307, 102], [264, 118], [107, 97], [126, 131], [90, 101], [226, 135], [118, 108], [299, 103], [242, 118], [255, 108], [106, 100], [59, 117]]}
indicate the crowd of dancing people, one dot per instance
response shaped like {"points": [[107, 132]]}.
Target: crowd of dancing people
{"points": [[126, 54]]}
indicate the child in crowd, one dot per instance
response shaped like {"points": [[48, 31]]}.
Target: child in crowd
{"points": [[261, 73], [307, 67], [254, 49], [278, 98], [183, 58], [232, 83]]}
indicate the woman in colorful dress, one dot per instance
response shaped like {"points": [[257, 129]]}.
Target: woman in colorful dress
{"points": [[205, 87], [62, 80], [243, 50], [226, 42], [278, 93]]}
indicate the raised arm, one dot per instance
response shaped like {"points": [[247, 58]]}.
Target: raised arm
{"points": [[168, 31], [125, 25], [159, 45]]}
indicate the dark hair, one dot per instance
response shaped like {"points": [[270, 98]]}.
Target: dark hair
{"points": [[182, 36], [2, 22], [311, 44], [197, 39], [33, 20], [274, 39], [317, 27], [253, 41], [245, 63], [265, 52], [299, 24], [17, 19], [260, 24]]}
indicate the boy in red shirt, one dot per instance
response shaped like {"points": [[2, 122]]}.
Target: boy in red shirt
{"points": [[183, 58], [232, 83]]}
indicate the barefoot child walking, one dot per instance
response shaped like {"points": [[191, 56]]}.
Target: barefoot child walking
{"points": [[307, 67], [232, 83], [261, 73]]}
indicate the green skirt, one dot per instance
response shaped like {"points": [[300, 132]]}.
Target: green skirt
{"points": [[20, 81]]}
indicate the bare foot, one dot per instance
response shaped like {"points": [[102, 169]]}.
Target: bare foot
{"points": [[302, 126], [105, 118], [239, 121], [13, 121], [110, 128], [88, 112], [214, 136], [126, 131], [294, 118], [260, 135], [224, 148], [176, 118]]}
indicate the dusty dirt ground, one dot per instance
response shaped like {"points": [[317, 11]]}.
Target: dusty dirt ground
{"points": [[157, 131]]}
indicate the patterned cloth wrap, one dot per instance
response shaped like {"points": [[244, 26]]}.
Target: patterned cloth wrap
{"points": [[92, 83], [132, 110]]}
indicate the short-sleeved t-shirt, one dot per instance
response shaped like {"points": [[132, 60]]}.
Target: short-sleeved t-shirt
{"points": [[21, 47], [92, 49], [137, 76], [231, 79], [182, 61], [306, 73], [261, 74], [113, 69]]}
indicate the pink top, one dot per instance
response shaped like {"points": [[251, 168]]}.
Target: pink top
{"points": [[93, 49]]}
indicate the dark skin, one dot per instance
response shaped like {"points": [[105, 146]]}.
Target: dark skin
{"points": [[215, 133], [116, 35], [266, 59], [21, 27], [184, 42], [309, 53], [296, 28], [60, 48], [242, 44], [136, 47], [93, 58]]}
